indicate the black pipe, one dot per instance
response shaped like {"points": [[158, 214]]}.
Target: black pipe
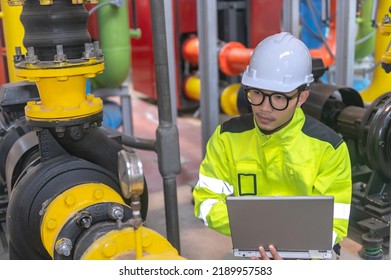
{"points": [[138, 143], [93, 146], [375, 136], [167, 142]]}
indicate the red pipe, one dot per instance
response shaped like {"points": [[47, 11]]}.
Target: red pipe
{"points": [[3, 73]]}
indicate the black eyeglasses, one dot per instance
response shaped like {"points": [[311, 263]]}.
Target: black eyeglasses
{"points": [[279, 101]]}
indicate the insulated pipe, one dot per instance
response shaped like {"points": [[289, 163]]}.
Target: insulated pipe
{"points": [[114, 39], [233, 56]]}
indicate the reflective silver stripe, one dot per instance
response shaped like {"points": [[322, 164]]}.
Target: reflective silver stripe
{"points": [[334, 237], [215, 185], [205, 207], [341, 211]]}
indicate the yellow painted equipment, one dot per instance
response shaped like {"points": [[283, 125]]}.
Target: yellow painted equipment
{"points": [[62, 91], [381, 81], [122, 244], [228, 97], [13, 35], [68, 204]]}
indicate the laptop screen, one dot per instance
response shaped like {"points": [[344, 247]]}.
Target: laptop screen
{"points": [[298, 226]]}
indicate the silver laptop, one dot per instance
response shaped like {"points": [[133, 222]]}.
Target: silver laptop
{"points": [[300, 227]]}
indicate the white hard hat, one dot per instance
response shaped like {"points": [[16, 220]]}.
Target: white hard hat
{"points": [[280, 62]]}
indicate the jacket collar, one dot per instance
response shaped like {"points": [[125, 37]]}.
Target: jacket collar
{"points": [[288, 132]]}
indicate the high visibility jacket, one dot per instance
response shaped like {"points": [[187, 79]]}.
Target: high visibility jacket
{"points": [[304, 158]]}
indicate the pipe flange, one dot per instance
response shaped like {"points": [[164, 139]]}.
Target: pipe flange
{"points": [[375, 136], [86, 218]]}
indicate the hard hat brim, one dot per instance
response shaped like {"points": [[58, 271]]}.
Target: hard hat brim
{"points": [[272, 85]]}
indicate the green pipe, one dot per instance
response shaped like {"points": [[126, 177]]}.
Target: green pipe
{"points": [[114, 39], [365, 29]]}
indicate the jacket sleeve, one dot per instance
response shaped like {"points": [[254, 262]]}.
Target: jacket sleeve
{"points": [[334, 179], [213, 187]]}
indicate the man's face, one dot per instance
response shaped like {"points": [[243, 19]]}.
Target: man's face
{"points": [[270, 119]]}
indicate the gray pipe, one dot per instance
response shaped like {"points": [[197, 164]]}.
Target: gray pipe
{"points": [[167, 142]]}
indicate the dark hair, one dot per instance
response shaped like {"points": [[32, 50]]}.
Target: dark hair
{"points": [[303, 87]]}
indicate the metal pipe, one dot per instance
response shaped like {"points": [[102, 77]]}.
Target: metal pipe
{"points": [[207, 33], [325, 10], [88, 144], [375, 4], [167, 140]]}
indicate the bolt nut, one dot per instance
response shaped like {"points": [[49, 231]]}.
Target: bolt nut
{"points": [[64, 247], [116, 212], [84, 220]]}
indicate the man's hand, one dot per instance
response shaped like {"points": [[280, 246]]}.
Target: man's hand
{"points": [[273, 252]]}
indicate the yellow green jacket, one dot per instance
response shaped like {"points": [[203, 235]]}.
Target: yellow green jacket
{"points": [[304, 158]]}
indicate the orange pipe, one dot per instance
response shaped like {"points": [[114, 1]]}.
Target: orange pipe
{"points": [[233, 56], [322, 52], [190, 49]]}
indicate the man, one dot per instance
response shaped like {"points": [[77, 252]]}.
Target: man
{"points": [[276, 149]]}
